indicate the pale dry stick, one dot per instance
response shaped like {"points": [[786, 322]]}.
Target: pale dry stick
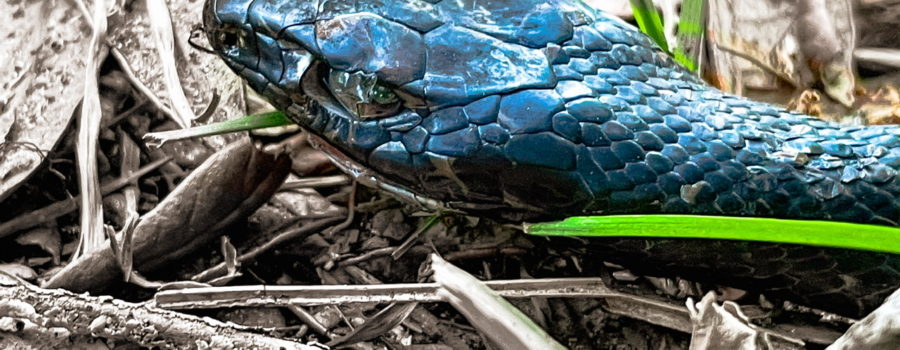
{"points": [[67, 206], [309, 320], [420, 318], [382, 322], [821, 314], [91, 220], [136, 82], [164, 39], [81, 315], [317, 182], [885, 56], [650, 310], [496, 319], [274, 296], [292, 234]]}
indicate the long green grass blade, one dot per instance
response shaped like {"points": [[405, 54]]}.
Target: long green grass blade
{"points": [[648, 20], [815, 233], [250, 122], [691, 24]]}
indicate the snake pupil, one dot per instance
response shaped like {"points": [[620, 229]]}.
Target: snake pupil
{"points": [[383, 95]]}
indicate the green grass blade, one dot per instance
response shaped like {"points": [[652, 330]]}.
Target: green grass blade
{"points": [[691, 25], [816, 233], [648, 20], [250, 122]]}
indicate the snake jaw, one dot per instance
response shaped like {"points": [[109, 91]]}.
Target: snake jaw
{"points": [[373, 179]]}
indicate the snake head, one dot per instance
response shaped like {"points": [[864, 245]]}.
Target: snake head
{"points": [[475, 104]]}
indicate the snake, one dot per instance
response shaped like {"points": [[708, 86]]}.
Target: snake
{"points": [[534, 110]]}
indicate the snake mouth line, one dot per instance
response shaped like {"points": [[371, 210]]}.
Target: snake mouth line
{"points": [[317, 94], [372, 179]]}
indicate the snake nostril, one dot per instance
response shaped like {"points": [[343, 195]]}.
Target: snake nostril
{"points": [[224, 23], [227, 38]]}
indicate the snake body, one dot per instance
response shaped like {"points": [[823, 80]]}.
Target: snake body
{"points": [[538, 110]]}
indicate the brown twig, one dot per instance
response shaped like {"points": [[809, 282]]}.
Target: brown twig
{"points": [[375, 253], [481, 253], [67, 206], [310, 320], [292, 234], [351, 210], [414, 237]]}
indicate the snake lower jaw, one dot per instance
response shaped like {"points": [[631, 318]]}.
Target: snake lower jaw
{"points": [[372, 179]]}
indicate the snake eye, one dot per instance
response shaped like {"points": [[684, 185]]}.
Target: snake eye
{"points": [[362, 94], [382, 95]]}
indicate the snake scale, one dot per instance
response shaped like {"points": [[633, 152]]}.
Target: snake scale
{"points": [[538, 110]]}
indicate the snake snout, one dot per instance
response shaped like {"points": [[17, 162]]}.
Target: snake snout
{"points": [[234, 40]]}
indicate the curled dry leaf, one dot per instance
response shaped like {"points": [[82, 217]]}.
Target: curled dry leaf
{"points": [[47, 239], [726, 327], [228, 186], [42, 77], [883, 106], [19, 270], [880, 330], [808, 102], [498, 320], [798, 42], [377, 325]]}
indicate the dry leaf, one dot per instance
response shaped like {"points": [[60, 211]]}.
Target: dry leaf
{"points": [[42, 67], [228, 186], [46, 238], [498, 320], [19, 270], [880, 330], [723, 327]]}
